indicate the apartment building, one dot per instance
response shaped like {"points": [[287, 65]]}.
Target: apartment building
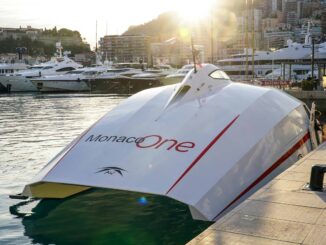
{"points": [[125, 48]]}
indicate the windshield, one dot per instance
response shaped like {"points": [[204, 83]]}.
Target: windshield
{"points": [[47, 67], [75, 72], [218, 74]]}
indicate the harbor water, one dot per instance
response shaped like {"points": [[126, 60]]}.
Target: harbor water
{"points": [[33, 128]]}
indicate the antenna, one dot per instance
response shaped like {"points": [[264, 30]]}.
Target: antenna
{"points": [[96, 38], [193, 53]]}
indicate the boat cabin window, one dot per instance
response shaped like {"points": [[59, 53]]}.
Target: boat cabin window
{"points": [[118, 70], [47, 67], [218, 74], [88, 73], [238, 73], [183, 71], [301, 72], [65, 69], [75, 72], [35, 67], [153, 71]]}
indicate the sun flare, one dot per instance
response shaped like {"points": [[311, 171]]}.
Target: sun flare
{"points": [[194, 11]]}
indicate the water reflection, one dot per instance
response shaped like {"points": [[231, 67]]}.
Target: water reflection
{"points": [[111, 217]]}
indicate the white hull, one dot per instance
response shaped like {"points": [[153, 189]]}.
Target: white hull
{"points": [[18, 83]]}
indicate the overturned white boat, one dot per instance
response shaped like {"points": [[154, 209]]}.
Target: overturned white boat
{"points": [[206, 142]]}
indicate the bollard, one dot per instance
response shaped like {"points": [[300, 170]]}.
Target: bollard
{"points": [[317, 177]]}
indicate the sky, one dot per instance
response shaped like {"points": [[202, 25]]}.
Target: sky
{"points": [[112, 16]]}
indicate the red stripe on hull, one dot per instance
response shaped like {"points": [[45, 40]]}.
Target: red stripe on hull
{"points": [[203, 153], [283, 158]]}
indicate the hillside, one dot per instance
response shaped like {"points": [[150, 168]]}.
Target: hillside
{"points": [[163, 27], [170, 24], [43, 42]]}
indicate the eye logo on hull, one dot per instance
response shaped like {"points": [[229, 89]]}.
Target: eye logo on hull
{"points": [[112, 170]]}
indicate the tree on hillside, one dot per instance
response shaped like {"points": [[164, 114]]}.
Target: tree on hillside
{"points": [[35, 47]]}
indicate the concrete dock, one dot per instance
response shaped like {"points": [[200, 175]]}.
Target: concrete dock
{"points": [[283, 212], [319, 97]]}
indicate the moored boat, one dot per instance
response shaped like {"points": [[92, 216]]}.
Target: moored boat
{"points": [[206, 142], [21, 81], [73, 81], [294, 60], [122, 81]]}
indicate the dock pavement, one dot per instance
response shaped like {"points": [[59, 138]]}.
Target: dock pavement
{"points": [[283, 212]]}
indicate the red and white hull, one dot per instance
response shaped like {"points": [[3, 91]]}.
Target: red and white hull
{"points": [[206, 142]]}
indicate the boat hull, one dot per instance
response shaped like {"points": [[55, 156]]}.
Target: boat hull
{"points": [[61, 86], [206, 142], [18, 84]]}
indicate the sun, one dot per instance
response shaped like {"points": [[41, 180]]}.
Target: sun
{"points": [[193, 11]]}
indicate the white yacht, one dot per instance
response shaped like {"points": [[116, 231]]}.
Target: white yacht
{"points": [[122, 81], [72, 81], [299, 54], [21, 81]]}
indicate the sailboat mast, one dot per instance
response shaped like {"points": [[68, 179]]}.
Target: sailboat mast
{"points": [[253, 39], [246, 38]]}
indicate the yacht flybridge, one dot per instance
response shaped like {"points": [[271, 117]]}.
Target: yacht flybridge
{"points": [[206, 142]]}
